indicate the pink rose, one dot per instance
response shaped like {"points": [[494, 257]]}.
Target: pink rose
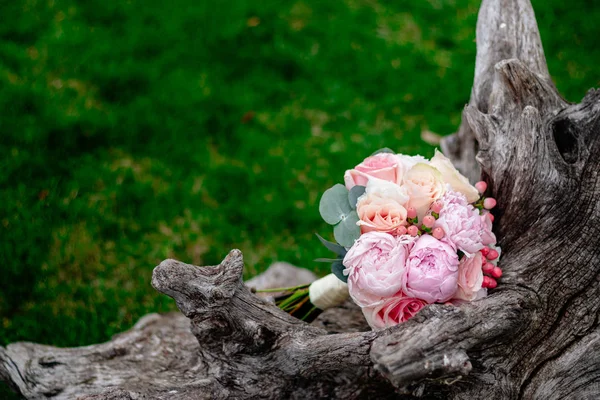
{"points": [[470, 277], [375, 266], [392, 311], [462, 224], [424, 185], [383, 166], [487, 236], [431, 270], [380, 214]]}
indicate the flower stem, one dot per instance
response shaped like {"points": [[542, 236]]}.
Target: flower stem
{"points": [[288, 289]]}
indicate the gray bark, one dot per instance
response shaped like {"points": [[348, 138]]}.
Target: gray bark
{"points": [[536, 335]]}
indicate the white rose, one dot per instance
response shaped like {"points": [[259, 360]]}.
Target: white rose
{"points": [[386, 190], [405, 163], [452, 177], [424, 185]]}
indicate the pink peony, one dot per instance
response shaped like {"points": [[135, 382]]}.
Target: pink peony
{"points": [[470, 277], [431, 270], [384, 166], [392, 311], [464, 228], [375, 266], [452, 197]]}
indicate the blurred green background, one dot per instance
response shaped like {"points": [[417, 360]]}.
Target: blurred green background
{"points": [[135, 131]]}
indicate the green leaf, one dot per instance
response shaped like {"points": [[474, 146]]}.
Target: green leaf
{"points": [[337, 268], [328, 260], [334, 204], [336, 248], [384, 150], [346, 232], [354, 194]]}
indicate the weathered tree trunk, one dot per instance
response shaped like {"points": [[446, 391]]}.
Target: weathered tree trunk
{"points": [[535, 336]]}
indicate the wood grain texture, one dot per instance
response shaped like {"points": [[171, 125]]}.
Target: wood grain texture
{"points": [[534, 337], [152, 359], [506, 29]]}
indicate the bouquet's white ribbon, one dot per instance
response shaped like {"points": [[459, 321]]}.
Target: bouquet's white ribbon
{"points": [[328, 292]]}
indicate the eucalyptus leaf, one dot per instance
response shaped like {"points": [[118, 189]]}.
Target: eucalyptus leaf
{"points": [[337, 268], [328, 260], [346, 232], [336, 248], [334, 204], [354, 194], [384, 150]]}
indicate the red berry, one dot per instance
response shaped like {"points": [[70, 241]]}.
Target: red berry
{"points": [[489, 203], [429, 221], [488, 268], [411, 212], [438, 233], [496, 272], [481, 186], [486, 281], [436, 207], [492, 254]]}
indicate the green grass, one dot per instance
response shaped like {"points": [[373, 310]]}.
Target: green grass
{"points": [[136, 131]]}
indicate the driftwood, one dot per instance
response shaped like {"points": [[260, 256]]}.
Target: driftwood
{"points": [[536, 336]]}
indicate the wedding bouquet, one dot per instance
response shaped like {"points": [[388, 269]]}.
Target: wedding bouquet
{"points": [[409, 232]]}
